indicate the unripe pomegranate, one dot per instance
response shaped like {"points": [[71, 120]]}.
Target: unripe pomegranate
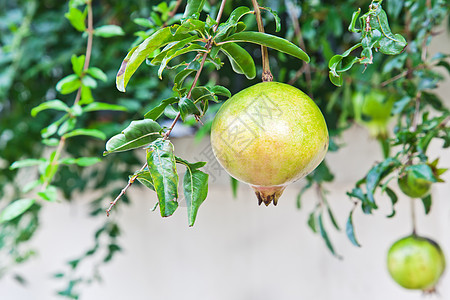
{"points": [[269, 135], [414, 186], [373, 110], [416, 263]]}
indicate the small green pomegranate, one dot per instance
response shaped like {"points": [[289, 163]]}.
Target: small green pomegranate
{"points": [[416, 262], [268, 136], [373, 110], [414, 186]]}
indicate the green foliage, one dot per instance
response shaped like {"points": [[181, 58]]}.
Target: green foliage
{"points": [[46, 70]]}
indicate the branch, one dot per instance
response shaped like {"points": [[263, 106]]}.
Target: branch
{"points": [[90, 31], [194, 83], [124, 190], [306, 67], [266, 75]]}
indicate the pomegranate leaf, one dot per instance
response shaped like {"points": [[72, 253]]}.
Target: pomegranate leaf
{"points": [[394, 200], [163, 171], [187, 107], [350, 231], [270, 41], [15, 209], [427, 203], [376, 174], [145, 178], [325, 237], [137, 134], [138, 54], [241, 61], [156, 112], [193, 8]]}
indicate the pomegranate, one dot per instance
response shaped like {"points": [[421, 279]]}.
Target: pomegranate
{"points": [[414, 186], [269, 135], [416, 262]]}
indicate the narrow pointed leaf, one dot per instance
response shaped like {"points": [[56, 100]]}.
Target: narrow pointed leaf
{"points": [[193, 8], [270, 41], [350, 231], [145, 178], [241, 61], [96, 106], [195, 188], [137, 134], [138, 54], [156, 112], [15, 209], [88, 132]]}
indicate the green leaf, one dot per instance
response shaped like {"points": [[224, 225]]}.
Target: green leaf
{"points": [[26, 163], [376, 174], [78, 64], [187, 107], [333, 219], [89, 82], [68, 84], [96, 106], [138, 54], [145, 178], [82, 161], [312, 222], [193, 8], [89, 132], [276, 17], [195, 188], [270, 41], [15, 209], [241, 61], [221, 90], [143, 22], [352, 25], [52, 104], [324, 235], [426, 201], [161, 164], [156, 112], [97, 73], [76, 18], [422, 171], [234, 186], [137, 134], [107, 31], [174, 53], [49, 194], [181, 76], [336, 80], [394, 200], [350, 230]]}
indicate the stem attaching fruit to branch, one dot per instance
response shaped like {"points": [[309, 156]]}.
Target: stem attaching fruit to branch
{"points": [[267, 74]]}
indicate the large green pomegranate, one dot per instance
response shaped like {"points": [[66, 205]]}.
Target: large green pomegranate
{"points": [[416, 263], [269, 135]]}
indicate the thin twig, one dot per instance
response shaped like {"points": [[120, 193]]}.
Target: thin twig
{"points": [[413, 216], [266, 75], [169, 130], [172, 12], [306, 67], [124, 190], [90, 31]]}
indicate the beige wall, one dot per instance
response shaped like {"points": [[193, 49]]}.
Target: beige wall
{"points": [[238, 250]]}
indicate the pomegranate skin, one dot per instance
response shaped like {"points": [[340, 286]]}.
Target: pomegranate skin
{"points": [[269, 135]]}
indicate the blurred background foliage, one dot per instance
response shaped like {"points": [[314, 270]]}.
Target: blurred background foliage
{"points": [[36, 45]]}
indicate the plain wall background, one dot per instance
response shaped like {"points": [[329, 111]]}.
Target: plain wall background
{"points": [[238, 250]]}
